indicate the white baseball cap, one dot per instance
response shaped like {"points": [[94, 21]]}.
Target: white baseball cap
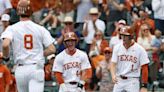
{"points": [[68, 19], [93, 11], [5, 17]]}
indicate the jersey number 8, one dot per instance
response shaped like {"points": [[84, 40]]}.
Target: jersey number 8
{"points": [[28, 41]]}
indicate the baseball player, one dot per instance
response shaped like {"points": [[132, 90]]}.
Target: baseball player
{"points": [[72, 67], [128, 60], [30, 43]]}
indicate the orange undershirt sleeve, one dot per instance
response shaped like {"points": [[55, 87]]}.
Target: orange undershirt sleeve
{"points": [[145, 73]]}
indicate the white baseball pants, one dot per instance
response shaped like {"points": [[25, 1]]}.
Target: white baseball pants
{"points": [[130, 85], [70, 88], [29, 78]]}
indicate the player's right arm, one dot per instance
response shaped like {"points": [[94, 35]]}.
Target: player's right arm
{"points": [[58, 69], [144, 60], [7, 36], [58, 72]]}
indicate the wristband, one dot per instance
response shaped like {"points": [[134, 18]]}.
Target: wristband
{"points": [[144, 85], [81, 84]]}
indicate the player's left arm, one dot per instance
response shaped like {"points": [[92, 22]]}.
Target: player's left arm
{"points": [[49, 50], [144, 60], [144, 78], [48, 42], [6, 48], [86, 71], [85, 77]]}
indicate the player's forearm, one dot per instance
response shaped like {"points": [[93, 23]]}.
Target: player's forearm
{"points": [[145, 74], [50, 50], [6, 48]]}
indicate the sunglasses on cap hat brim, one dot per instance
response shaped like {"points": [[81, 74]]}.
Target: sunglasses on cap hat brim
{"points": [[107, 52]]}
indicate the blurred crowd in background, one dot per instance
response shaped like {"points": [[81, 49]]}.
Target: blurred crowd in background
{"points": [[97, 24]]}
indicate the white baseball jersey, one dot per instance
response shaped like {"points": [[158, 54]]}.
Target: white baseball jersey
{"points": [[71, 66], [28, 41], [129, 61]]}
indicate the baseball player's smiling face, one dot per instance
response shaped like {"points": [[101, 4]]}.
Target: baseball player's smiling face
{"points": [[70, 44], [126, 39]]}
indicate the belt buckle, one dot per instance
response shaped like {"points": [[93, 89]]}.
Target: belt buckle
{"points": [[123, 77]]}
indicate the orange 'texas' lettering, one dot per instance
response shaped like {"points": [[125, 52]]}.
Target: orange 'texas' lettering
{"points": [[28, 41], [127, 58], [72, 65]]}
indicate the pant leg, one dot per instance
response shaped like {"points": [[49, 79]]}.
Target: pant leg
{"points": [[36, 83], [127, 84], [119, 86], [21, 79], [36, 86], [132, 84]]}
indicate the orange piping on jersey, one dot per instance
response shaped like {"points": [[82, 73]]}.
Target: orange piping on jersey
{"points": [[59, 77], [145, 73]]}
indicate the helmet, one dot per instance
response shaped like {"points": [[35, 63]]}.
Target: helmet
{"points": [[70, 36], [126, 30], [24, 8]]}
